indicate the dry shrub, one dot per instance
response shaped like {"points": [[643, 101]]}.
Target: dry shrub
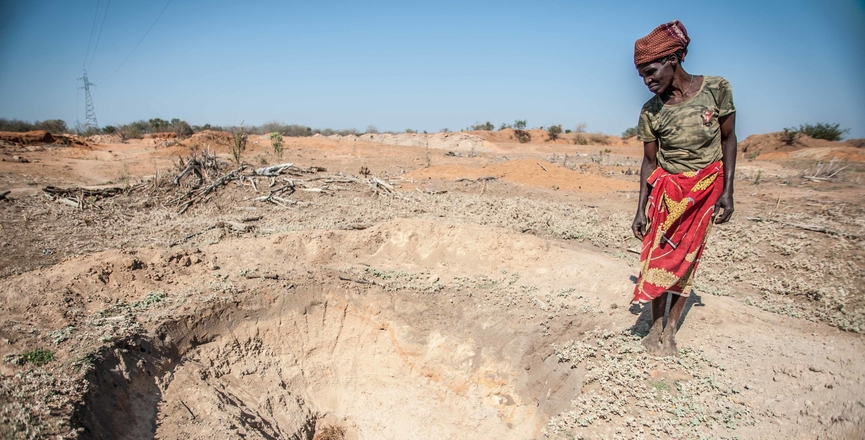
{"points": [[581, 139], [598, 139], [825, 170], [330, 433]]}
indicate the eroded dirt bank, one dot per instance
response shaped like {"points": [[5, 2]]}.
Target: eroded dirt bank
{"points": [[410, 327]]}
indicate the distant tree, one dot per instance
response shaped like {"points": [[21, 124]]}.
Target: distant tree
{"points": [[554, 131], [488, 126], [629, 133], [276, 143], [504, 126], [520, 131], [55, 126], [156, 125], [371, 129], [239, 145], [820, 130], [789, 135], [410, 131], [109, 129]]}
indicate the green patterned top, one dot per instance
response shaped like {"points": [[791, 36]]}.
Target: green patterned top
{"points": [[688, 133]]}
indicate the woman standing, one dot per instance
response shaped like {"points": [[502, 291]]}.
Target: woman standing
{"points": [[686, 179]]}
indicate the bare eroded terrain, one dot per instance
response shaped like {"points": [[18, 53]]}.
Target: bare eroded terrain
{"points": [[416, 286]]}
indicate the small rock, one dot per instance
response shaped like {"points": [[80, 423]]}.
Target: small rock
{"points": [[808, 403], [815, 369]]}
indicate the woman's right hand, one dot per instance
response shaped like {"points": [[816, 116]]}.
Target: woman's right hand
{"points": [[639, 225]]}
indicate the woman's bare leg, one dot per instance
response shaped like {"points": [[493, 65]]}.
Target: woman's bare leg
{"points": [[652, 341], [668, 339]]}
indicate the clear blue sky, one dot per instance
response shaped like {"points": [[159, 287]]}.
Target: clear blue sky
{"points": [[423, 65]]}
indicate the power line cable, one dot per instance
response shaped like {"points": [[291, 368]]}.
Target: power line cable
{"points": [[139, 41], [93, 55], [92, 28]]}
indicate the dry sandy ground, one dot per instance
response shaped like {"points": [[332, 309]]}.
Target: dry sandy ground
{"points": [[486, 296]]}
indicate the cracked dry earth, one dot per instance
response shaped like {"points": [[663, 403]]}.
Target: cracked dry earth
{"points": [[430, 323]]}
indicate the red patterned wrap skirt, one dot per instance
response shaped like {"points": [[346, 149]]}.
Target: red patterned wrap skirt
{"points": [[680, 211]]}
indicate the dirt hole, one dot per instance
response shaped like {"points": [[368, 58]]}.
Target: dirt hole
{"points": [[305, 368]]}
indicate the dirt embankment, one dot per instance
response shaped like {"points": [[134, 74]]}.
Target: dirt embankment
{"points": [[508, 135], [528, 172], [773, 146], [39, 137], [464, 143]]}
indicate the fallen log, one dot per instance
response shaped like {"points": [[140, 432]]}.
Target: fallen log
{"points": [[192, 166], [273, 170], [222, 180], [97, 193], [267, 276]]}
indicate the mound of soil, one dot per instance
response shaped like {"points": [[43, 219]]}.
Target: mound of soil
{"points": [[758, 144], [28, 137], [462, 142], [858, 143], [528, 172], [165, 135], [218, 137], [40, 137], [105, 139]]}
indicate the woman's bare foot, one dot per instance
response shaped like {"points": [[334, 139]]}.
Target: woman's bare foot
{"points": [[668, 342], [652, 341]]}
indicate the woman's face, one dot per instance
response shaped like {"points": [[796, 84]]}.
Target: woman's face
{"points": [[657, 75]]}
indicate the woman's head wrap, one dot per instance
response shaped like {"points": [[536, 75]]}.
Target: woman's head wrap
{"points": [[664, 40]]}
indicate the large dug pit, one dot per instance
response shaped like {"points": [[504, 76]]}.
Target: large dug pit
{"points": [[414, 350], [311, 365]]}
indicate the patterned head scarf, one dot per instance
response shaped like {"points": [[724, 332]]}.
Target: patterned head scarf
{"points": [[664, 40]]}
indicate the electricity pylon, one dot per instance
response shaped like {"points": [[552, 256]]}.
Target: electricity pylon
{"points": [[89, 112]]}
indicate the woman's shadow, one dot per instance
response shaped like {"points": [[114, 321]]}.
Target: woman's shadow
{"points": [[644, 312]]}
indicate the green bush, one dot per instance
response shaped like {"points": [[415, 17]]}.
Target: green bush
{"points": [[276, 143], [38, 356], [820, 130], [554, 131], [239, 145], [788, 136], [520, 131], [629, 133], [488, 126]]}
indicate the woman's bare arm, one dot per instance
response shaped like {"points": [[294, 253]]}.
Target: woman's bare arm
{"points": [[724, 206], [650, 162]]}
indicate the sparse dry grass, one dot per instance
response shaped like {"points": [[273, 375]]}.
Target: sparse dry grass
{"points": [[622, 395]]}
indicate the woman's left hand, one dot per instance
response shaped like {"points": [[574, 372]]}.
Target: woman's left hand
{"points": [[725, 203]]}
